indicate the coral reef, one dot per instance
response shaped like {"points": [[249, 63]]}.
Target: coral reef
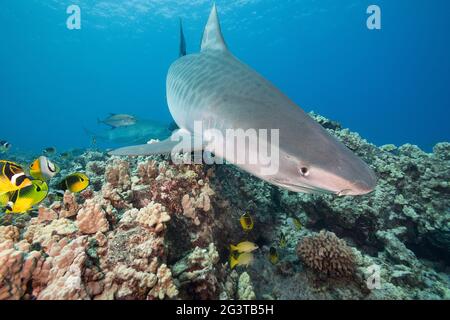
{"points": [[149, 229], [245, 287], [327, 254]]}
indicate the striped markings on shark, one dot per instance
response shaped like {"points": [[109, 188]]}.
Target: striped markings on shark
{"points": [[223, 94]]}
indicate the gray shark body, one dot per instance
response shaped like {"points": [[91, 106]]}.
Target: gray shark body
{"points": [[140, 132], [223, 93]]}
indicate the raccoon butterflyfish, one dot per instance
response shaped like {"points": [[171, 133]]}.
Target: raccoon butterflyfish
{"points": [[273, 255], [75, 182], [4, 146], [49, 151], [12, 177], [43, 169], [244, 247], [246, 221], [21, 201], [244, 259], [4, 199]]}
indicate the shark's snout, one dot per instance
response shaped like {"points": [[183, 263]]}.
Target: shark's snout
{"points": [[364, 184]]}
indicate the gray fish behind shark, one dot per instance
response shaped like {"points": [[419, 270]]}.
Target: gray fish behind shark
{"points": [[140, 132], [221, 92]]}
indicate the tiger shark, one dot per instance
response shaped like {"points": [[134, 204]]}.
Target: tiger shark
{"points": [[215, 88]]}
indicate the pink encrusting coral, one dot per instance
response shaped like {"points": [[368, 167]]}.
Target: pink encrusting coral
{"points": [[110, 243]]}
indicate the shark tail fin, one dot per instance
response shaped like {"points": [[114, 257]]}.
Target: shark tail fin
{"points": [[182, 40], [212, 36]]}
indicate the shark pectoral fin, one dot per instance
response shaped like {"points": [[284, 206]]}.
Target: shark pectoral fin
{"points": [[163, 147], [181, 141]]}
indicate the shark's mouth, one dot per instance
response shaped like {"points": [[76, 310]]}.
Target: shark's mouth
{"points": [[301, 187]]}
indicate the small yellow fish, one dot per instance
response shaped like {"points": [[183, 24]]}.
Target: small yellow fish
{"points": [[244, 247], [273, 255], [12, 177], [244, 259], [246, 221], [75, 182], [43, 169], [282, 242], [21, 201], [297, 223]]}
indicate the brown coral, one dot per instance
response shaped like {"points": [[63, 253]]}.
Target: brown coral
{"points": [[118, 174], [154, 217], [327, 254], [92, 218], [148, 171], [17, 265], [65, 278]]}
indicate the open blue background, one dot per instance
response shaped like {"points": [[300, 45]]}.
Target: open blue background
{"points": [[391, 86]]}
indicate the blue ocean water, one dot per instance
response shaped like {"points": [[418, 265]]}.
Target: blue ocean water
{"points": [[390, 85]]}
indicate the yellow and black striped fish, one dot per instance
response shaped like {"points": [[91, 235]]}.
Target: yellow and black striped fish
{"points": [[273, 255], [282, 242], [21, 201], [12, 177], [4, 199], [246, 221], [75, 182]]}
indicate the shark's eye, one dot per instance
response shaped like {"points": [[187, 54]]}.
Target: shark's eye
{"points": [[304, 171]]}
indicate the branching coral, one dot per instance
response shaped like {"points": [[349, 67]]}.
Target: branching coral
{"points": [[327, 254]]}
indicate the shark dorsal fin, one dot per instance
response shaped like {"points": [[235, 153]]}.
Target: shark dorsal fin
{"points": [[182, 40], [212, 36]]}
